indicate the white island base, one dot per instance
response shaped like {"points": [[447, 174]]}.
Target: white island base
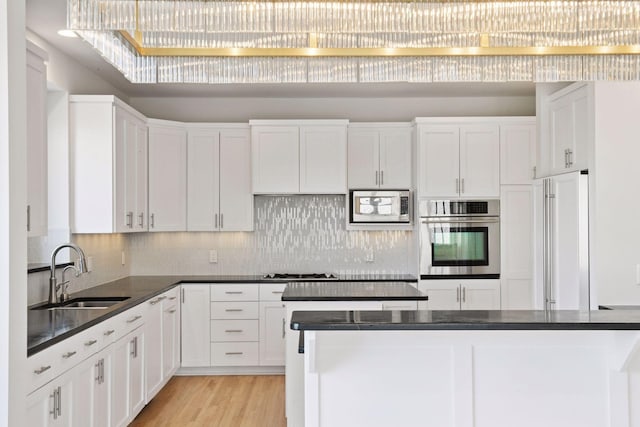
{"points": [[465, 378]]}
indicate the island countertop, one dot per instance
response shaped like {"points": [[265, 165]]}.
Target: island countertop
{"points": [[466, 320], [352, 291]]}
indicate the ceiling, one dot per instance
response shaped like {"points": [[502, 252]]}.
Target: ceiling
{"points": [[46, 17]]}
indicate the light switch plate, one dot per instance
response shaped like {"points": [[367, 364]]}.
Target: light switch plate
{"points": [[213, 256]]}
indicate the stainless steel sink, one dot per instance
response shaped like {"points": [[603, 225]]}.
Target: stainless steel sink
{"points": [[97, 303]]}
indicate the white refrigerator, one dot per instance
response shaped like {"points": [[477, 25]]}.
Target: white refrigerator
{"points": [[561, 215]]}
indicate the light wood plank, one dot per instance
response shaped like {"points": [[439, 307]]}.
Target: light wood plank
{"points": [[238, 401]]}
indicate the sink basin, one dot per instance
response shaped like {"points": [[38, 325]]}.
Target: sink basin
{"points": [[96, 303]]}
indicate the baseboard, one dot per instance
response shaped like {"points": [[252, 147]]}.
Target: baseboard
{"points": [[231, 370]]}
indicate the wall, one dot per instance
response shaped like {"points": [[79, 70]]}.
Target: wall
{"points": [[292, 234], [203, 109], [615, 205]]}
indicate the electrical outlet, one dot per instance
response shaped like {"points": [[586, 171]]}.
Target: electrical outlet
{"points": [[213, 256], [369, 256], [122, 258], [89, 264]]}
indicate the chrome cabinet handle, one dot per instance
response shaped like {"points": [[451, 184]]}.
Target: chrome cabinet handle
{"points": [[458, 294], [97, 377], [109, 332], [457, 185], [234, 292], [464, 294], [130, 219], [216, 221], [155, 301], [153, 221], [172, 311], [570, 153], [90, 343], [141, 220], [68, 354], [377, 177], [172, 298], [221, 220], [233, 309], [234, 331], [234, 353], [283, 322], [381, 177], [42, 369], [133, 319], [182, 292], [462, 185], [28, 217], [277, 292]]}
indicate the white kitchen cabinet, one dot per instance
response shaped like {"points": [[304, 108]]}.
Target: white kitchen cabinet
{"points": [[458, 158], [272, 333], [195, 326], [219, 196], [323, 159], [517, 247], [379, 156], [476, 294], [91, 391], [290, 156], [167, 176], [517, 152], [37, 193], [154, 347], [51, 405], [171, 334], [108, 149], [565, 121], [127, 380]]}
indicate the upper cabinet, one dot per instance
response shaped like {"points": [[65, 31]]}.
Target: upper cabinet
{"points": [[379, 156], [167, 176], [458, 158], [37, 182], [517, 151], [307, 157], [564, 125], [219, 196], [108, 149]]}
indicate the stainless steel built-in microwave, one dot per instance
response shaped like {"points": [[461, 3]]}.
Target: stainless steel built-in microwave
{"points": [[380, 206]]}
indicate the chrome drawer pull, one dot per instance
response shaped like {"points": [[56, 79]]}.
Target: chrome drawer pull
{"points": [[109, 332], [68, 354], [42, 369], [133, 319], [233, 309], [90, 343], [172, 298], [277, 292], [234, 292], [172, 311], [234, 330], [234, 353]]}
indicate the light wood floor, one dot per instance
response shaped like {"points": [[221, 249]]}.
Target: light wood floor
{"points": [[220, 401]]}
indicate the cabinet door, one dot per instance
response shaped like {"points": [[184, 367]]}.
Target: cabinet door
{"points": [[136, 371], [272, 333], [516, 233], [36, 146], [569, 130], [126, 175], [443, 294], [480, 295], [275, 159], [195, 325], [323, 159], [395, 158], [203, 180], [236, 198], [142, 169], [167, 179], [517, 153], [51, 405], [120, 406], [170, 338], [91, 391], [479, 161], [154, 346], [363, 158], [101, 390], [439, 161]]}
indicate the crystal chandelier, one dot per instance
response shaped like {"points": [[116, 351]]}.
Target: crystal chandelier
{"points": [[282, 41]]}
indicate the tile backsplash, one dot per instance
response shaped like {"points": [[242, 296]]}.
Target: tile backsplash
{"points": [[292, 234]]}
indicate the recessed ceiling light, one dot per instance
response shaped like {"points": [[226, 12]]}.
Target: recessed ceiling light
{"points": [[67, 33]]}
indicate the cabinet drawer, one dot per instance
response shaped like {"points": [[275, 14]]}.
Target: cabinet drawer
{"points": [[272, 291], [234, 310], [399, 305], [133, 318], [234, 354], [234, 330], [239, 292]]}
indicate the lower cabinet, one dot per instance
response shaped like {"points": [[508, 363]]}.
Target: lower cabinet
{"points": [[195, 328], [51, 405], [90, 391], [171, 335], [127, 380], [272, 332], [477, 294]]}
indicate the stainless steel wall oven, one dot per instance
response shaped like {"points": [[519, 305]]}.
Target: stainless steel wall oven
{"points": [[459, 238]]}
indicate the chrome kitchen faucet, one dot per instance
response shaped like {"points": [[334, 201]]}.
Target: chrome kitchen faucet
{"points": [[53, 282]]}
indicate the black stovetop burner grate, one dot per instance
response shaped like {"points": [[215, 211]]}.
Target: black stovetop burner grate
{"points": [[301, 276]]}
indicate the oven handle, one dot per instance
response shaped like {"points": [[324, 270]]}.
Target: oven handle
{"points": [[459, 220]]}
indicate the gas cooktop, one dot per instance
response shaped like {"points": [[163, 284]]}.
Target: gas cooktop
{"points": [[301, 276]]}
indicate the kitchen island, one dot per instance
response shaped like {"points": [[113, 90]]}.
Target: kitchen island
{"points": [[471, 368], [345, 295]]}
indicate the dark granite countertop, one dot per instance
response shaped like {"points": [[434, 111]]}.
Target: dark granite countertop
{"points": [[351, 291], [467, 320], [47, 327], [619, 307]]}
